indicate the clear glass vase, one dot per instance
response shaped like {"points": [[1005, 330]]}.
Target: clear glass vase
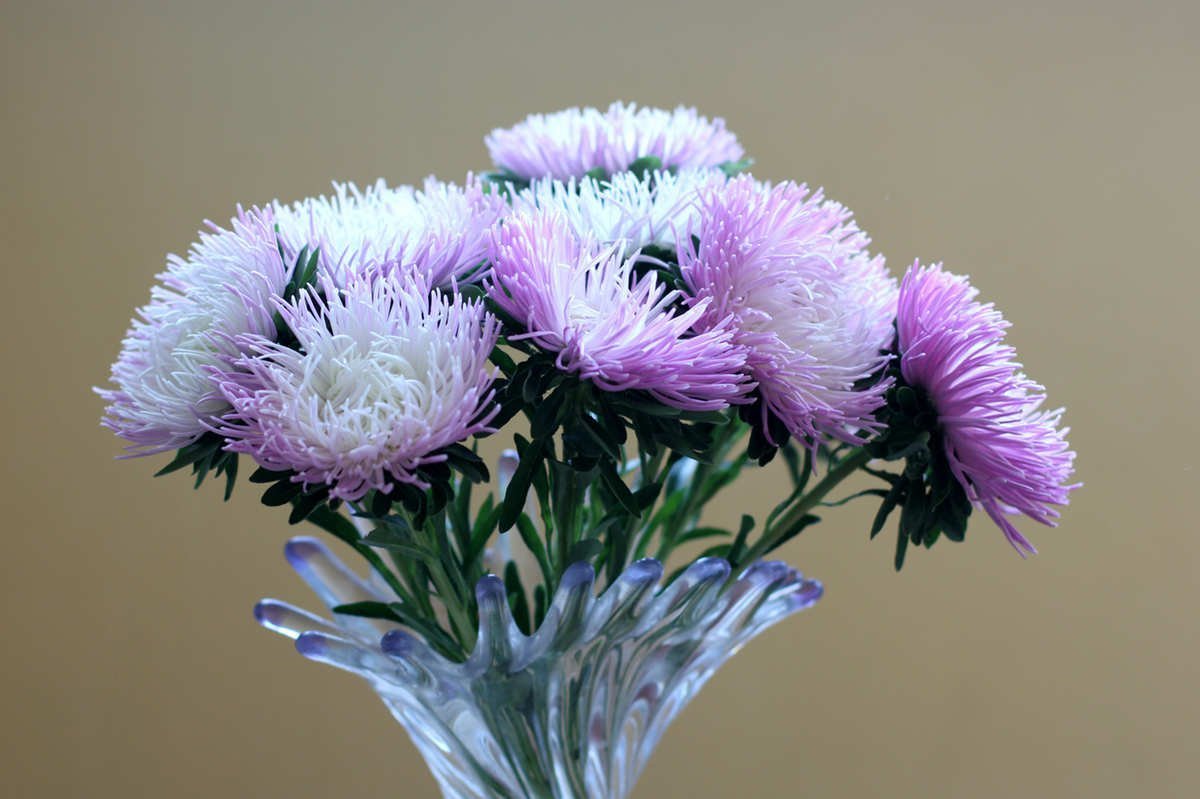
{"points": [[573, 711]]}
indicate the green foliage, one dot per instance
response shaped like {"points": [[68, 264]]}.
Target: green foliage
{"points": [[303, 275], [503, 183], [645, 165], [931, 501], [206, 456], [735, 168]]}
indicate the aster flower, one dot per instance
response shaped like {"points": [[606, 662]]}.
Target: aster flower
{"points": [[812, 307], [1008, 453], [609, 326], [164, 397], [573, 142], [647, 210], [438, 233], [387, 375]]}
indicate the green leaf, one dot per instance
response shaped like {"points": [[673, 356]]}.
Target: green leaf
{"points": [[369, 610], [596, 173], [192, 453], [539, 605], [890, 500], [485, 522], [305, 504], [516, 598], [698, 533], [644, 165], [805, 521], [503, 361], [901, 549], [335, 524], [586, 549], [914, 513], [467, 463], [646, 496], [616, 486], [396, 536], [281, 493], [534, 543], [735, 168], [518, 488], [231, 468], [739, 541], [546, 416], [264, 475]]}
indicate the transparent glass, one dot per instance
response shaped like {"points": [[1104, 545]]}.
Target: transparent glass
{"points": [[573, 711]]}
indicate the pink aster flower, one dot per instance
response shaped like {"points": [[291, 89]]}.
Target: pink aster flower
{"points": [[387, 375], [811, 306], [620, 331], [1010, 455], [573, 142], [439, 233], [164, 396]]}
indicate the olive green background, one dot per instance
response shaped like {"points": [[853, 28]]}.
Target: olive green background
{"points": [[1048, 149]]}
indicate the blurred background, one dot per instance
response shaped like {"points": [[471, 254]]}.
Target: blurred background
{"points": [[1048, 149]]}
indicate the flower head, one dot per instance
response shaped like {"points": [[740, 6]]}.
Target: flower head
{"points": [[387, 375], [1008, 453], [571, 143], [812, 307], [439, 233], [637, 210], [607, 324], [164, 397]]}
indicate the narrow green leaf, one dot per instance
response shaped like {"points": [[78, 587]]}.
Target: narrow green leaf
{"points": [[281, 493], [739, 541], [613, 482], [517, 601], [231, 468], [263, 475], [518, 487], [335, 524], [586, 549], [305, 504], [369, 610], [644, 165], [890, 500]]}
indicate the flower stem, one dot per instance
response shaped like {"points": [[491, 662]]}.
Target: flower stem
{"points": [[777, 533]]}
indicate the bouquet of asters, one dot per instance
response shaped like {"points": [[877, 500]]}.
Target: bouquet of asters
{"points": [[646, 321]]}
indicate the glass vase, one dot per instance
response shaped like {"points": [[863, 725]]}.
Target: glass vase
{"points": [[573, 711]]}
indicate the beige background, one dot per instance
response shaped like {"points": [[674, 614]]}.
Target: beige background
{"points": [[1049, 149]]}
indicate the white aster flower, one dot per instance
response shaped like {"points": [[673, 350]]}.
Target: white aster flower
{"points": [[438, 233], [164, 397], [388, 374], [641, 211]]}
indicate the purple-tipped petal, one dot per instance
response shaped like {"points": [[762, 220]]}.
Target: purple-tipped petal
{"points": [[1009, 453], [789, 272], [573, 142], [164, 395], [386, 376], [587, 303]]}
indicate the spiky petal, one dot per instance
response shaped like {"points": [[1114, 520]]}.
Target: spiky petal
{"points": [[585, 302], [1010, 455], [571, 143], [812, 307], [388, 374], [438, 233], [649, 210], [164, 397]]}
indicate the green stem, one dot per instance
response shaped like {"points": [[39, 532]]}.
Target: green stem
{"points": [[456, 611], [774, 535]]}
